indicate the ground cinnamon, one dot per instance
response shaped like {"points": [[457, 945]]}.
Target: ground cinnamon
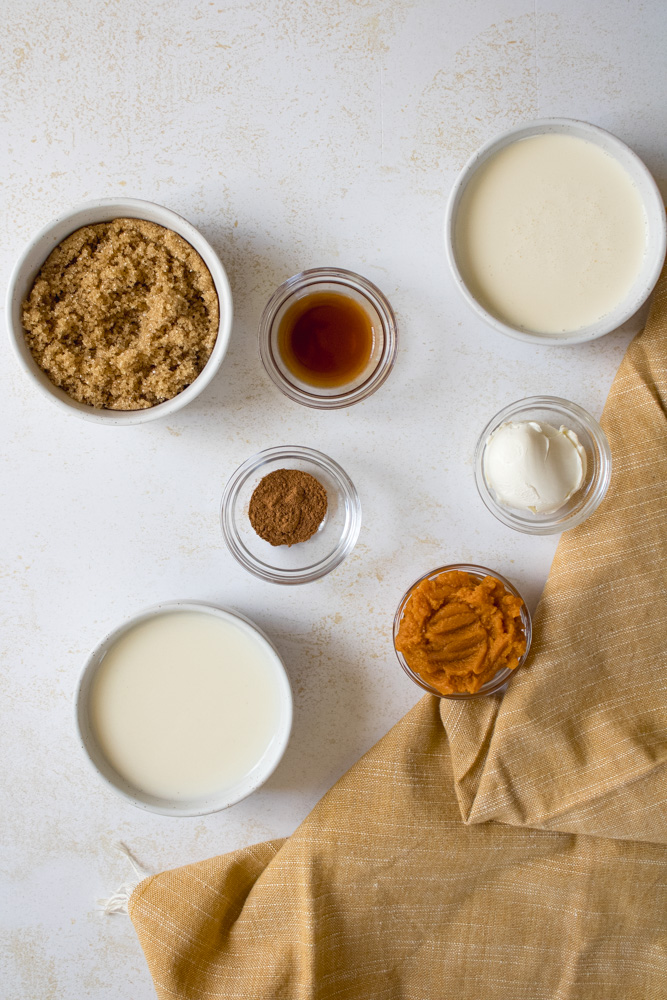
{"points": [[287, 507]]}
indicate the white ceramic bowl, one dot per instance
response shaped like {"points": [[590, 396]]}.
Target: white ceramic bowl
{"points": [[40, 246], [183, 807], [655, 217]]}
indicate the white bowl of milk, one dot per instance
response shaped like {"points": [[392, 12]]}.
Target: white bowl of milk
{"points": [[184, 709], [555, 232]]}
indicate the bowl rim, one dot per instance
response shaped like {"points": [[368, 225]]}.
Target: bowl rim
{"points": [[363, 286], [314, 571], [501, 677], [93, 662], [651, 200], [132, 208], [548, 524]]}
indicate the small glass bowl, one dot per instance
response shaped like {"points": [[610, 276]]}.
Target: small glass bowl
{"points": [[305, 561], [369, 297], [555, 411], [502, 676]]}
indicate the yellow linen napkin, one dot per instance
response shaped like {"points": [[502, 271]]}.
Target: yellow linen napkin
{"points": [[509, 848], [579, 742]]}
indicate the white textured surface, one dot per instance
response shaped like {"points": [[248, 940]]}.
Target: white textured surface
{"points": [[292, 135]]}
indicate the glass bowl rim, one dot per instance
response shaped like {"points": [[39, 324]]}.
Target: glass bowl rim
{"points": [[314, 571], [549, 524], [364, 287], [500, 678]]}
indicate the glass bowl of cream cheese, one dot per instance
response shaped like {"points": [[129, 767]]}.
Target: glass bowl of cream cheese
{"points": [[542, 465]]}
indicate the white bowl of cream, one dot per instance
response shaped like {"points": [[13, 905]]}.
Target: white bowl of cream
{"points": [[542, 465], [185, 709], [555, 232]]}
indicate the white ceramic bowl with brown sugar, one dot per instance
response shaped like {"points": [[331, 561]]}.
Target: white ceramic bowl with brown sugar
{"points": [[35, 254]]}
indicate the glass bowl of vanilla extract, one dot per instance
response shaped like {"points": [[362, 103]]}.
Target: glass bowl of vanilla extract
{"points": [[328, 338]]}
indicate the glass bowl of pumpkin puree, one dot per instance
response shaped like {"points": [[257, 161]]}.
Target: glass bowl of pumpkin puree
{"points": [[461, 631]]}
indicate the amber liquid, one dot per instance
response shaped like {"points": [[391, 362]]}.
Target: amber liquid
{"points": [[326, 339]]}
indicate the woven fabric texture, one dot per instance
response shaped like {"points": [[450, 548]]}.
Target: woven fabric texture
{"points": [[512, 847]]}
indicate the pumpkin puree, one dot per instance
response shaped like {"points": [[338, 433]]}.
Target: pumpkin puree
{"points": [[458, 631]]}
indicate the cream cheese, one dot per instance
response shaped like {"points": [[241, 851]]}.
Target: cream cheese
{"points": [[534, 466]]}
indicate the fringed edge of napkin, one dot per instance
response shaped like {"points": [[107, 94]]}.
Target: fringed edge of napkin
{"points": [[118, 901]]}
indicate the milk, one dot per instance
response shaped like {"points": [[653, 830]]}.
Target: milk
{"points": [[185, 704], [550, 233]]}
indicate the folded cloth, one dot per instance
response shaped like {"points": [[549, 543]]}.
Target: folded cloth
{"points": [[579, 742], [510, 847]]}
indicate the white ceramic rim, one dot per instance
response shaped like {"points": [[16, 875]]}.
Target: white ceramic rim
{"points": [[655, 219], [274, 574], [38, 249], [548, 524], [501, 677], [123, 788]]}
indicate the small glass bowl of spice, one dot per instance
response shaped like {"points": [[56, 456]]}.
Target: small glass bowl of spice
{"points": [[461, 631], [327, 338], [290, 515]]}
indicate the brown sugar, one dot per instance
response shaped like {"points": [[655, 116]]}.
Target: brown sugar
{"points": [[122, 315], [287, 506], [458, 631]]}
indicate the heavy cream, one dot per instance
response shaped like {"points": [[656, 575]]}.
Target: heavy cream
{"points": [[534, 466], [550, 233], [185, 704]]}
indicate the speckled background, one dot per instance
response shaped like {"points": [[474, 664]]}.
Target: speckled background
{"points": [[293, 135]]}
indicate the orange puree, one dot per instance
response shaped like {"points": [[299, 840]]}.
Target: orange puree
{"points": [[458, 631]]}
